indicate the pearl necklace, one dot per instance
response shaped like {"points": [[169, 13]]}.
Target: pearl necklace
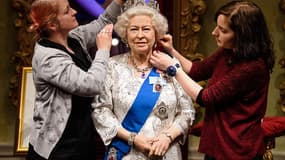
{"points": [[142, 70]]}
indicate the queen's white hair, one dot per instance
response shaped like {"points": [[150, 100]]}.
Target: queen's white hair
{"points": [[159, 22]]}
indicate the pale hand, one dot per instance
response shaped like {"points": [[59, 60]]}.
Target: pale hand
{"points": [[104, 38]]}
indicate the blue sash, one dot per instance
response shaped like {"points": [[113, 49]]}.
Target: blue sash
{"points": [[135, 118]]}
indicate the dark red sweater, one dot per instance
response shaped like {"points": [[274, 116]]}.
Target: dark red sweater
{"points": [[235, 101]]}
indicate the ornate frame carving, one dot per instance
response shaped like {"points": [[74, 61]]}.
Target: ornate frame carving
{"points": [[23, 56], [186, 26]]}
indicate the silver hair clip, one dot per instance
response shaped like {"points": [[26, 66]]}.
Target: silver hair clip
{"points": [[134, 3]]}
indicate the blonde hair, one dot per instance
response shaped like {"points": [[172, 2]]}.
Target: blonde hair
{"points": [[159, 22]]}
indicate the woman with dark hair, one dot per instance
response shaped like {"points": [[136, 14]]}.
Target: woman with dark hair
{"points": [[66, 78], [238, 71]]}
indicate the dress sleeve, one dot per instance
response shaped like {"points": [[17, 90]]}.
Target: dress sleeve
{"points": [[185, 111], [106, 123]]}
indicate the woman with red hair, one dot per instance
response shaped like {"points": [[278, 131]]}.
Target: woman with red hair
{"points": [[66, 78]]}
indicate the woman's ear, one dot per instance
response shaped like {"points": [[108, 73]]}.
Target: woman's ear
{"points": [[52, 26]]}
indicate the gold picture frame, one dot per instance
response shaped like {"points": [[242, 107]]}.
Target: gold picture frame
{"points": [[25, 112]]}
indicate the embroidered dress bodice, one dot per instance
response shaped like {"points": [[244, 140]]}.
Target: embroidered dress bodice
{"points": [[121, 87]]}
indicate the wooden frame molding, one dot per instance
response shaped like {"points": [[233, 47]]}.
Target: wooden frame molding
{"points": [[25, 112]]}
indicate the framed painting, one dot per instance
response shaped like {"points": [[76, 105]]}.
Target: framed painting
{"points": [[25, 112]]}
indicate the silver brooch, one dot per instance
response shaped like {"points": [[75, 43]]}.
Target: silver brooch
{"points": [[162, 111]]}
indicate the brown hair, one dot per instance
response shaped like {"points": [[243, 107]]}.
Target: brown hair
{"points": [[43, 13], [252, 38]]}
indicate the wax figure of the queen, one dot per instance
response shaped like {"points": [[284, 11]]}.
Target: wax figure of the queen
{"points": [[142, 113]]}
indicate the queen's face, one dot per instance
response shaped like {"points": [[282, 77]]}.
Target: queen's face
{"points": [[141, 34], [223, 33]]}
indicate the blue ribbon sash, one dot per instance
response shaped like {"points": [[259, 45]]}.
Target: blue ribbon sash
{"points": [[135, 118]]}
